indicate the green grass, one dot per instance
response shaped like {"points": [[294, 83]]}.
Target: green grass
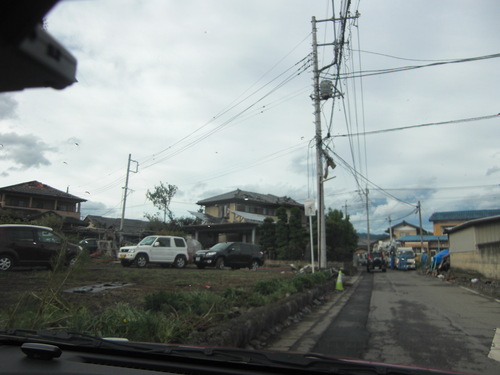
{"points": [[164, 305]]}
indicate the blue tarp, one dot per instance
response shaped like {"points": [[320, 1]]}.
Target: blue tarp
{"points": [[438, 258]]}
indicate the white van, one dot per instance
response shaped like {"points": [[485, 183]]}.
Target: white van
{"points": [[164, 250]]}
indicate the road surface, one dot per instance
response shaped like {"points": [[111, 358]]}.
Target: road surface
{"points": [[402, 317]]}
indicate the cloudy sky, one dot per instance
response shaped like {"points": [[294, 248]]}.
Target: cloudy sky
{"points": [[215, 95]]}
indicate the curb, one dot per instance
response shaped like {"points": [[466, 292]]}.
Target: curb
{"points": [[302, 337], [265, 321]]}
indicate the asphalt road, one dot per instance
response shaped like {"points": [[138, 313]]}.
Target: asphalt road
{"points": [[402, 317]]}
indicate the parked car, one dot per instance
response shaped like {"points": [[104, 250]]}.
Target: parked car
{"points": [[163, 250], [376, 261], [31, 245], [405, 259], [90, 244], [230, 254]]}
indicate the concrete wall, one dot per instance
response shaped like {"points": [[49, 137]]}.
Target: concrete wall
{"points": [[477, 248], [463, 241], [473, 261]]}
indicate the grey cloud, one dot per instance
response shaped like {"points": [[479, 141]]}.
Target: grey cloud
{"points": [[26, 151], [492, 170], [8, 106], [97, 208], [74, 141]]}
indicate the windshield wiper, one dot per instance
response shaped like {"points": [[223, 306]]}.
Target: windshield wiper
{"points": [[63, 337], [314, 363]]}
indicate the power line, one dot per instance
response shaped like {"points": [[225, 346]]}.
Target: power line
{"points": [[353, 171], [400, 58], [470, 119], [368, 73], [210, 132]]}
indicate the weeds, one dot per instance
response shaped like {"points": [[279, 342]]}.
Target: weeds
{"points": [[163, 316]]}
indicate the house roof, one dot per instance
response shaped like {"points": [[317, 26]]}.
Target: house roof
{"points": [[426, 238], [403, 224], [67, 219], [250, 197], [470, 223], [206, 218], [463, 215], [129, 225], [249, 217], [35, 188]]}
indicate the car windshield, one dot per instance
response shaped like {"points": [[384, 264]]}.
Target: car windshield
{"points": [[242, 175], [219, 246], [147, 241], [406, 253]]}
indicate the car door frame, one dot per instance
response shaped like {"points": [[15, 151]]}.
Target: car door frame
{"points": [[26, 249], [48, 251], [161, 253]]}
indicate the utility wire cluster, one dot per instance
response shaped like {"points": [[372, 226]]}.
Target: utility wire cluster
{"points": [[347, 86]]}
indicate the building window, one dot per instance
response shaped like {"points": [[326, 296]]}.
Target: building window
{"points": [[223, 211], [67, 207], [43, 204], [17, 201]]}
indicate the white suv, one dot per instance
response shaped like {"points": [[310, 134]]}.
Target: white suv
{"points": [[164, 250]]}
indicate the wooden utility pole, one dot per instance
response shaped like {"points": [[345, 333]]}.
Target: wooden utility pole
{"points": [[421, 229], [125, 191], [368, 222]]}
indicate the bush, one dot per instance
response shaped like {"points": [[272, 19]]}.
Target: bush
{"points": [[186, 303], [128, 322], [267, 287]]}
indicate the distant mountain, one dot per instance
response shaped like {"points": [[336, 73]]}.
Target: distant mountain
{"points": [[373, 236]]}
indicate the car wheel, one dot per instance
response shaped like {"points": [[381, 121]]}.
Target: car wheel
{"points": [[141, 261], [6, 262], [220, 264], [180, 261], [255, 265], [384, 269]]}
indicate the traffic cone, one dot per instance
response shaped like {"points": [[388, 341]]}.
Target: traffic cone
{"points": [[339, 285]]}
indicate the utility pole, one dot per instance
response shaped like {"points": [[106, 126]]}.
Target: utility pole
{"points": [[421, 230], [319, 153], [368, 222], [324, 91], [125, 190], [390, 228]]}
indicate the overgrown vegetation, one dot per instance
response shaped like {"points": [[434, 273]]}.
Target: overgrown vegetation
{"points": [[288, 239], [161, 315]]}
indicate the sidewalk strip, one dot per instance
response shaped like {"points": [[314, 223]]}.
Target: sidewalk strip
{"points": [[495, 346]]}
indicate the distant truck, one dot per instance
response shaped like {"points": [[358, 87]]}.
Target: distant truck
{"points": [[405, 259]]}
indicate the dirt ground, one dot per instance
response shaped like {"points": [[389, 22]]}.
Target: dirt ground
{"points": [[478, 283], [98, 285]]}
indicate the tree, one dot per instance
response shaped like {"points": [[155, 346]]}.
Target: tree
{"points": [[161, 198], [267, 237], [282, 232], [297, 235], [341, 237]]}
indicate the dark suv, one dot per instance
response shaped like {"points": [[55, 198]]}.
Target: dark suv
{"points": [[376, 260], [230, 254], [30, 245]]}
